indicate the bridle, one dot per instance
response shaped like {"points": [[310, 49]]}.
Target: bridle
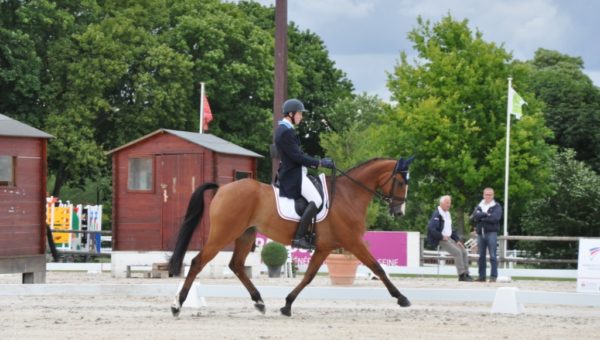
{"points": [[391, 199]]}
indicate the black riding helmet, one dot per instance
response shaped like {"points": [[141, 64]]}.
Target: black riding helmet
{"points": [[292, 106]]}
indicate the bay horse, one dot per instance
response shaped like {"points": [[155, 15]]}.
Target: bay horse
{"points": [[241, 208]]}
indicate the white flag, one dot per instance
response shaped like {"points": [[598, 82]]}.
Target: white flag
{"points": [[516, 103]]}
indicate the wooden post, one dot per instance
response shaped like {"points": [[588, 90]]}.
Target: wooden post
{"points": [[280, 90]]}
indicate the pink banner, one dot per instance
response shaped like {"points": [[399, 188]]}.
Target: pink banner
{"points": [[388, 247]]}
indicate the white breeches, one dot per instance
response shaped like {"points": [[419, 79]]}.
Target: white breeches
{"points": [[309, 191]]}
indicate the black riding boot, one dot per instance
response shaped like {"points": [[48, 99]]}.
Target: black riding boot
{"points": [[300, 238]]}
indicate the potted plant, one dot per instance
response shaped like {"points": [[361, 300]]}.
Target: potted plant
{"points": [[274, 256], [342, 266]]}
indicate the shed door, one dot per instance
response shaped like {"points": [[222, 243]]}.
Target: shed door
{"points": [[179, 176]]}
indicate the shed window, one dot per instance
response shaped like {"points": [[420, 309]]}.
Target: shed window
{"points": [[237, 175], [7, 171], [140, 174]]}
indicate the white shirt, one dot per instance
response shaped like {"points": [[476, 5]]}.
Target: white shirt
{"points": [[286, 123], [447, 231], [485, 207]]}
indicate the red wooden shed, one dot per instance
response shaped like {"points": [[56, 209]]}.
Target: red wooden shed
{"points": [[23, 171], [154, 177]]}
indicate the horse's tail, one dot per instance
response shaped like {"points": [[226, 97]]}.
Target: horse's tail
{"points": [[194, 213]]}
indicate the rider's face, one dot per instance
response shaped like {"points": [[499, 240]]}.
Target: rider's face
{"points": [[298, 117]]}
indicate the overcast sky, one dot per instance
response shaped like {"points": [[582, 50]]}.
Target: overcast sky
{"points": [[365, 37]]}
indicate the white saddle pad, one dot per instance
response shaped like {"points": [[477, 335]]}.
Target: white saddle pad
{"points": [[286, 206]]}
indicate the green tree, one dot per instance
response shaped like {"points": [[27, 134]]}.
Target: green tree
{"points": [[315, 80], [35, 40], [571, 209], [116, 82], [354, 123], [21, 66], [234, 57], [451, 115], [572, 103], [352, 140], [20, 84], [100, 74], [40, 48], [138, 68], [312, 78], [360, 110]]}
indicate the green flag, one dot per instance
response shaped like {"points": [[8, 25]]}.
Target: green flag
{"points": [[516, 103]]}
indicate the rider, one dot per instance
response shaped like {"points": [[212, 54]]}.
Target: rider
{"points": [[293, 180]]}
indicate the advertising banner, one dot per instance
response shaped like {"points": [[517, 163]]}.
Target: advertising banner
{"points": [[588, 268], [388, 247]]}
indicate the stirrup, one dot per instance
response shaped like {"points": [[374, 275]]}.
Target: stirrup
{"points": [[302, 243]]}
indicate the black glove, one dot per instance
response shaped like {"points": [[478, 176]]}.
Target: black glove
{"points": [[327, 163]]}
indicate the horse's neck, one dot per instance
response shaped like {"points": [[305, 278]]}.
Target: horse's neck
{"points": [[369, 177]]}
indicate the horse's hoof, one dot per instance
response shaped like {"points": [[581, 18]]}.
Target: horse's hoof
{"points": [[287, 311], [176, 306], [403, 301], [260, 306]]}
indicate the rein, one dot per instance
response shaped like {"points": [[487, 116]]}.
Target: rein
{"points": [[385, 198]]}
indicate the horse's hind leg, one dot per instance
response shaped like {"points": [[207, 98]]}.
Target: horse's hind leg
{"points": [[205, 255], [243, 246]]}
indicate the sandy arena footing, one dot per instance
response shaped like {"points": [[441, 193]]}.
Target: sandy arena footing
{"points": [[118, 316]]}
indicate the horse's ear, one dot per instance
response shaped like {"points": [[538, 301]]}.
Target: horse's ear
{"points": [[404, 163]]}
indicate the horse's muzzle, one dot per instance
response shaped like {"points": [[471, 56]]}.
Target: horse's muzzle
{"points": [[397, 210]]}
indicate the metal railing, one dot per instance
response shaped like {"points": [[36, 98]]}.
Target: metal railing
{"points": [[502, 257]]}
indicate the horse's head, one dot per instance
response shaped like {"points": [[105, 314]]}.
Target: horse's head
{"points": [[395, 188]]}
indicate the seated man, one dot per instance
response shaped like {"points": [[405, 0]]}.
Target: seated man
{"points": [[439, 232]]}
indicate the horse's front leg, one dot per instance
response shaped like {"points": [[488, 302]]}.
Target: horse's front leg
{"points": [[313, 267], [364, 255]]}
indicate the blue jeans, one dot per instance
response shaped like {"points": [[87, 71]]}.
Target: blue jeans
{"points": [[487, 242]]}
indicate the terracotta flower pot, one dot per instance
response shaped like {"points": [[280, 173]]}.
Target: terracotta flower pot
{"points": [[342, 269]]}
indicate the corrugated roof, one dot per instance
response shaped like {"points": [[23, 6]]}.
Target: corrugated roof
{"points": [[205, 140], [14, 128]]}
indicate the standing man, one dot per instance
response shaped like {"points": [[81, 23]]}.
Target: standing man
{"points": [[440, 232], [292, 172], [487, 216]]}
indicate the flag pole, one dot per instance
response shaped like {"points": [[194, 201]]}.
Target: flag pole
{"points": [[201, 107], [506, 166]]}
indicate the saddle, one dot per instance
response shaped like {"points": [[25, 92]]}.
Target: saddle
{"points": [[291, 210]]}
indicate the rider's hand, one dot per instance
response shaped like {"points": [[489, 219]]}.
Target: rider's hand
{"points": [[327, 163]]}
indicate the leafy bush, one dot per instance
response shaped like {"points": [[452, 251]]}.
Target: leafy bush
{"points": [[570, 210], [274, 254]]}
